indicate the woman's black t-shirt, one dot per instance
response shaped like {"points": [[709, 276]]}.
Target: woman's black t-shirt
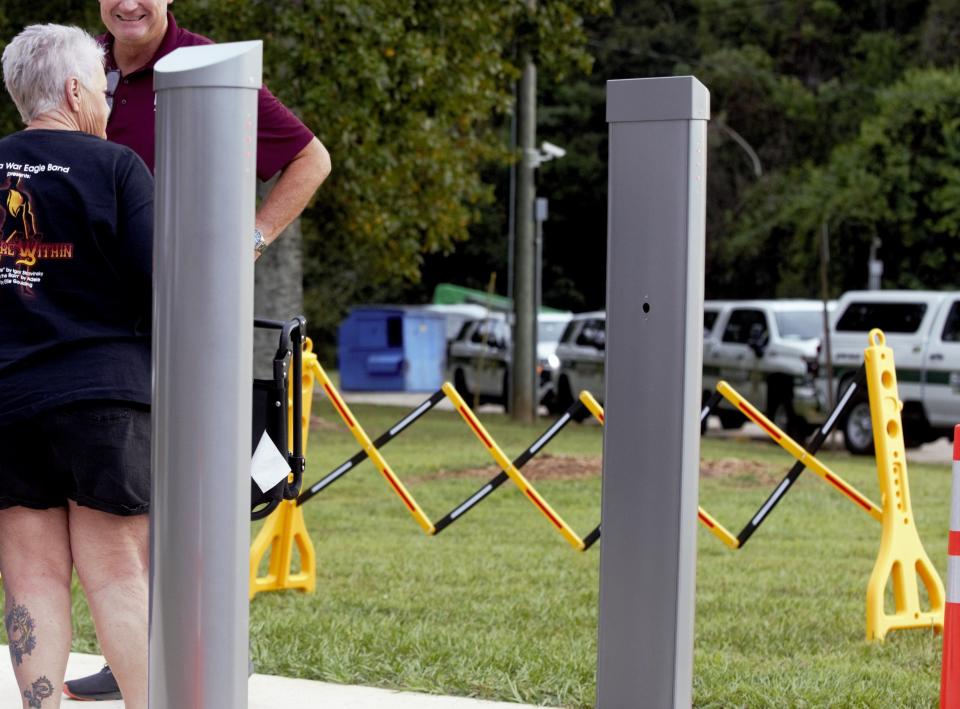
{"points": [[76, 234]]}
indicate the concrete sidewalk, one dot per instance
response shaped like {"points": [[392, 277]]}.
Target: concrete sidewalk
{"points": [[267, 692]]}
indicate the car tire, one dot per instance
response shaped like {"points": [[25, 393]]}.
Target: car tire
{"points": [[857, 427], [553, 405], [565, 400]]}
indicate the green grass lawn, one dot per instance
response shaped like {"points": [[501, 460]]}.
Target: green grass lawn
{"points": [[499, 606]]}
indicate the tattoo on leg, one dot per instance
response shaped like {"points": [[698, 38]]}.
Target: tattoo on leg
{"points": [[39, 690], [20, 629]]}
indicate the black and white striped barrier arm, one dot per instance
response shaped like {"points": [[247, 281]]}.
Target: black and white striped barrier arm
{"points": [[575, 410], [858, 385], [361, 456], [708, 407]]}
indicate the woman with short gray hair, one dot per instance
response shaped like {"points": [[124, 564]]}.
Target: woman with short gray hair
{"points": [[39, 62], [76, 217]]}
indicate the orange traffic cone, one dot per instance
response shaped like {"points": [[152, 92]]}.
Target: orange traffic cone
{"points": [[950, 677]]}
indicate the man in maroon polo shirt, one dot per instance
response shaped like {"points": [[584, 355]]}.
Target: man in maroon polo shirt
{"points": [[139, 33]]}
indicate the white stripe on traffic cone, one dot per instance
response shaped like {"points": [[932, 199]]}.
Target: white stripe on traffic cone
{"points": [[950, 676]]}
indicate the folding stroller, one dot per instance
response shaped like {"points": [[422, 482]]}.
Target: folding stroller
{"points": [[270, 413]]}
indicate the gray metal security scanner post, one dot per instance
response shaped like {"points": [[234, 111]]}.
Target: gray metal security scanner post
{"points": [[202, 352], [657, 173]]}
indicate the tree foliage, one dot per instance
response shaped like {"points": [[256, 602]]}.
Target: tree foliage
{"points": [[897, 181], [836, 102], [409, 96]]}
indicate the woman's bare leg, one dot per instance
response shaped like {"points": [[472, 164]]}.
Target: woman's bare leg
{"points": [[111, 554], [36, 565]]}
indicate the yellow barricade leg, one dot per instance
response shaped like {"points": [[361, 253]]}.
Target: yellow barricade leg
{"points": [[285, 527], [282, 530], [706, 519], [902, 557]]}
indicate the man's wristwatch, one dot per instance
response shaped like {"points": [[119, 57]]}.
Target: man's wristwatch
{"points": [[259, 243]]}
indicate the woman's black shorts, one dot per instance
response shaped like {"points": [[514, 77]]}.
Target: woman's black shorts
{"points": [[96, 453]]}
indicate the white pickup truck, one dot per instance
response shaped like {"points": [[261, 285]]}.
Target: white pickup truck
{"points": [[923, 330], [766, 350]]}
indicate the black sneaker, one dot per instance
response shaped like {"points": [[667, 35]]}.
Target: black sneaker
{"points": [[103, 686], [93, 688]]}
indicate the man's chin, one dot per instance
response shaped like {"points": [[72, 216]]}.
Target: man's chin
{"points": [[131, 32]]}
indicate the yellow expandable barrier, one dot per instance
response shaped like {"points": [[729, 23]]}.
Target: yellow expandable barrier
{"points": [[902, 557], [507, 466], [371, 450], [285, 527], [712, 525], [798, 452]]}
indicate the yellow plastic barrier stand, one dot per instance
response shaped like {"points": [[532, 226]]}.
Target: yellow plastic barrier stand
{"points": [[901, 557], [707, 520], [507, 466], [798, 452], [285, 527], [372, 452]]}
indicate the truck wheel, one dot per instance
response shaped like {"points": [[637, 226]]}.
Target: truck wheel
{"points": [[857, 428], [784, 418], [730, 420], [460, 384]]}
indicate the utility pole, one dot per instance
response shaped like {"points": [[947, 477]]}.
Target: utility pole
{"points": [[825, 297], [524, 362]]}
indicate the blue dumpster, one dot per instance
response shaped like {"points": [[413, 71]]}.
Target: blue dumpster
{"points": [[391, 348]]}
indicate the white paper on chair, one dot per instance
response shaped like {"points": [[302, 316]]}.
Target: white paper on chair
{"points": [[269, 465]]}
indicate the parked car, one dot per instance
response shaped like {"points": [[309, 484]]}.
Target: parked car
{"points": [[923, 330], [768, 351], [479, 357], [581, 354]]}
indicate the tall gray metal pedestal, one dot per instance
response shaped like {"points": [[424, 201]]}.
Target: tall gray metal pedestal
{"points": [[653, 374], [202, 339]]}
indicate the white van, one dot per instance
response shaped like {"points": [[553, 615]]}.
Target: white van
{"points": [[923, 330]]}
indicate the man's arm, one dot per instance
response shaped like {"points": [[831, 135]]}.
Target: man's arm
{"points": [[294, 188]]}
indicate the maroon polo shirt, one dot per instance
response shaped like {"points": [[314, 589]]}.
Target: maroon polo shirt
{"points": [[280, 134]]}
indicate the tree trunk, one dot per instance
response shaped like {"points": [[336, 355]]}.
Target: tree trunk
{"points": [[278, 289]]}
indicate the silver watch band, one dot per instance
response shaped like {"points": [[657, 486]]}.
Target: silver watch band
{"points": [[259, 243]]}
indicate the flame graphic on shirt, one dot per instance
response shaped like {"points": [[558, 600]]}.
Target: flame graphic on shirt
{"points": [[19, 222], [19, 237]]}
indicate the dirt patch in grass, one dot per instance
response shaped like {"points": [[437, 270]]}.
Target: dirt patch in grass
{"points": [[747, 472], [542, 467], [577, 467], [318, 423]]}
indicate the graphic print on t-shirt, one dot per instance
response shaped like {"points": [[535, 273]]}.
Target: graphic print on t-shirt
{"points": [[21, 242]]}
